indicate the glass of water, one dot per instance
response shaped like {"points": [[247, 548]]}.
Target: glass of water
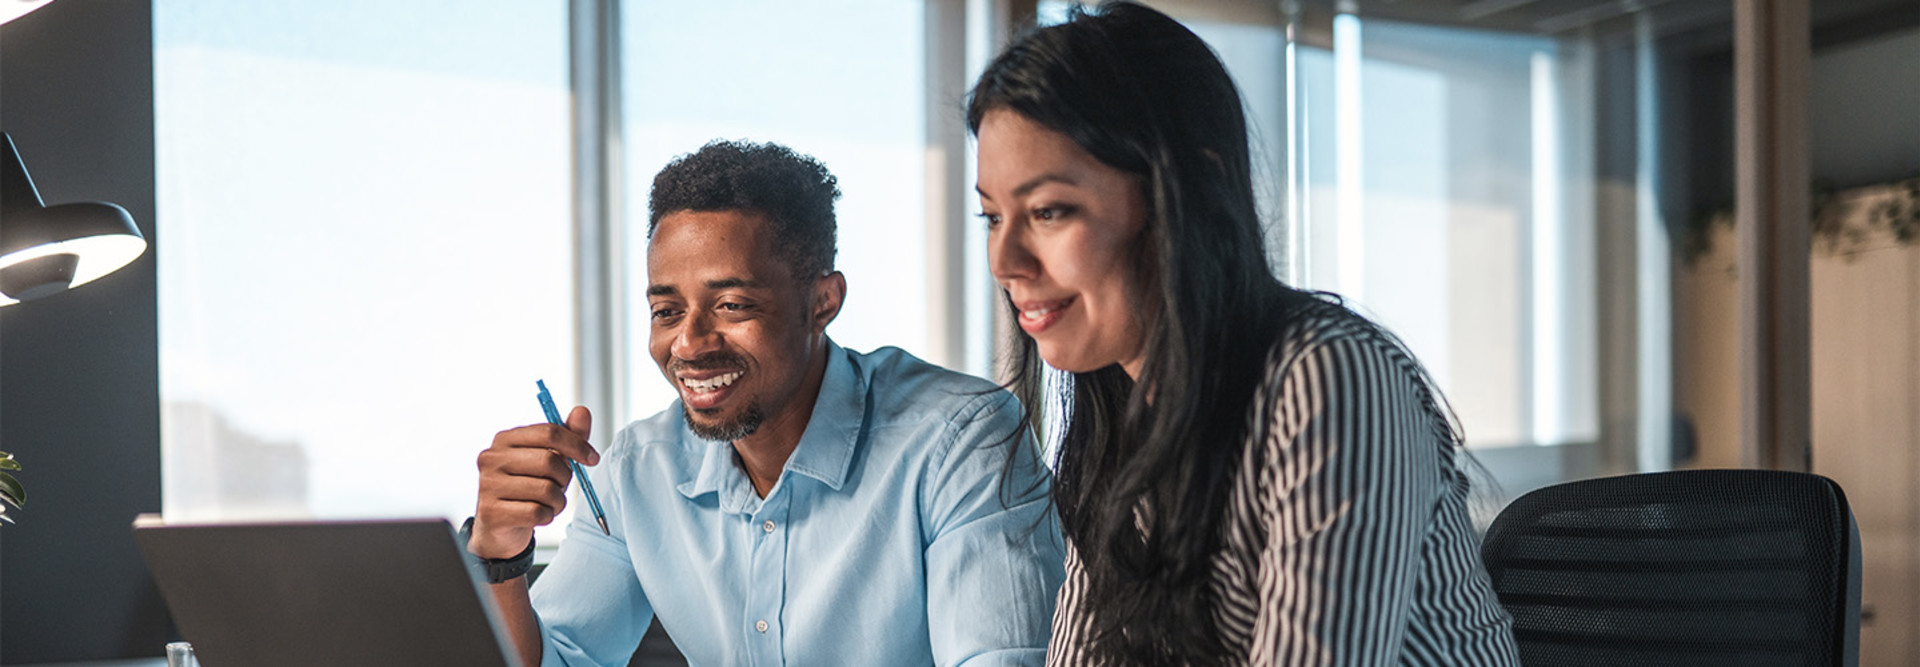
{"points": [[180, 654]]}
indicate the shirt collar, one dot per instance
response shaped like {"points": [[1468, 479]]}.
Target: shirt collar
{"points": [[826, 449]]}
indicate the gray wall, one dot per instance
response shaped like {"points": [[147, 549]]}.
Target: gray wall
{"points": [[1865, 112], [79, 371]]}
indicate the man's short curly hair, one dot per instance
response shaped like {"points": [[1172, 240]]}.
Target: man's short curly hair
{"points": [[795, 193]]}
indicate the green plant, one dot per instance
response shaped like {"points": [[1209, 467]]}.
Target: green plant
{"points": [[10, 489]]}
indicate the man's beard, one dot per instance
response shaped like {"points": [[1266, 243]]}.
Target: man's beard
{"points": [[729, 430]]}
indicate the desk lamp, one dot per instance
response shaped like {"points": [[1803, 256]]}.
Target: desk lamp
{"points": [[45, 250]]}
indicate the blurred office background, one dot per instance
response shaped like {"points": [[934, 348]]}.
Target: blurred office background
{"points": [[375, 224]]}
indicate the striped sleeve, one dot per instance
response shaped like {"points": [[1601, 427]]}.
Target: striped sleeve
{"points": [[1350, 477], [1071, 624]]}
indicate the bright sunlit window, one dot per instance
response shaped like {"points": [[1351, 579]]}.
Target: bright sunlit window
{"points": [[1433, 201], [367, 258]]}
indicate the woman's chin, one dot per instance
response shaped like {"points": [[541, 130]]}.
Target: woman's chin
{"points": [[1067, 358]]}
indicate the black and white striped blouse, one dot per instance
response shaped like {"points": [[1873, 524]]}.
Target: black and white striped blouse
{"points": [[1347, 539]]}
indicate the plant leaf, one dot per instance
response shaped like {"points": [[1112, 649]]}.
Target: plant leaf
{"points": [[7, 462], [11, 491]]}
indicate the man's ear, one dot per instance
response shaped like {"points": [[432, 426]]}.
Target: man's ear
{"points": [[829, 293]]}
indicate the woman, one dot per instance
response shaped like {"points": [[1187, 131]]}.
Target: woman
{"points": [[1249, 474]]}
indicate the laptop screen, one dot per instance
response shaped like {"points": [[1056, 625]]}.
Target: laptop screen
{"points": [[324, 593]]}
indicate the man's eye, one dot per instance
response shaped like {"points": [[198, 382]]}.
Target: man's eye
{"points": [[735, 307], [664, 313]]}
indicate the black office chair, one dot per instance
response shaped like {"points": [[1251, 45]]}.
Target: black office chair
{"points": [[1692, 567]]}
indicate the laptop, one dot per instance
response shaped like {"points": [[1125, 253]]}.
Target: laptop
{"points": [[324, 593]]}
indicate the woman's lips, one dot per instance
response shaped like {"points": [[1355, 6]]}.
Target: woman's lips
{"points": [[1038, 316]]}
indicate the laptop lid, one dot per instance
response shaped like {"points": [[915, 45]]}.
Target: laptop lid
{"points": [[324, 593]]}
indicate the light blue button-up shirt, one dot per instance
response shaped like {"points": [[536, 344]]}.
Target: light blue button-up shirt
{"points": [[889, 539]]}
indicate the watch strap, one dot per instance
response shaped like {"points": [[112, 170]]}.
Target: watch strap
{"points": [[496, 570]]}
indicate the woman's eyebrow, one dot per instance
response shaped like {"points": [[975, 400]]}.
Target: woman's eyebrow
{"points": [[1032, 183]]}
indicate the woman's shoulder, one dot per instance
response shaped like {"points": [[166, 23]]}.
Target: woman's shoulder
{"points": [[1326, 351], [1325, 357], [1322, 327]]}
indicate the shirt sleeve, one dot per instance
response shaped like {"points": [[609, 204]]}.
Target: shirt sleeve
{"points": [[591, 607], [1349, 480], [994, 552]]}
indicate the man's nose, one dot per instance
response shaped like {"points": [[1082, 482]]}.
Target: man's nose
{"points": [[697, 336]]}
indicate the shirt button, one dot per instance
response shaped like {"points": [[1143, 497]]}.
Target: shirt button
{"points": [[760, 625], [768, 526]]}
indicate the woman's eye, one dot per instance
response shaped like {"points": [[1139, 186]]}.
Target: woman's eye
{"points": [[993, 219], [1050, 212]]}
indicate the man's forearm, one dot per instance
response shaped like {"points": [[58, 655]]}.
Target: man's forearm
{"points": [[516, 614]]}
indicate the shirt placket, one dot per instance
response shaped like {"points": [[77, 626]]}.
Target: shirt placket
{"points": [[767, 590]]}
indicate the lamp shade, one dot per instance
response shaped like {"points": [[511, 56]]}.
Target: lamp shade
{"points": [[46, 249], [13, 9]]}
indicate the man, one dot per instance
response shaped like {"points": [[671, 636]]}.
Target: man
{"points": [[801, 504]]}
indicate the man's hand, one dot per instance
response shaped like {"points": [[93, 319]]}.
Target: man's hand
{"points": [[523, 482]]}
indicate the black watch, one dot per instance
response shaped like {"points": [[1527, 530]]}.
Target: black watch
{"points": [[497, 570]]}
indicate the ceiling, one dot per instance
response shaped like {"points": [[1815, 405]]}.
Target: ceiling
{"points": [[1832, 18], [1558, 16]]}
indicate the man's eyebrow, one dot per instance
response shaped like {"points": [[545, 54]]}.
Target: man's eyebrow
{"points": [[1035, 182], [733, 283], [720, 284]]}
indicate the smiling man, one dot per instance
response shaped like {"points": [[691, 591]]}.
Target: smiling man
{"points": [[800, 504]]}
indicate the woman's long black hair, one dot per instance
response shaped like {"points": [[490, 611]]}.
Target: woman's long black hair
{"points": [[1141, 93]]}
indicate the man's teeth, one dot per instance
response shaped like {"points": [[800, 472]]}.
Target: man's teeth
{"points": [[713, 383]]}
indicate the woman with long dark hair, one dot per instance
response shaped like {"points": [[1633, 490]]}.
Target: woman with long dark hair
{"points": [[1249, 473]]}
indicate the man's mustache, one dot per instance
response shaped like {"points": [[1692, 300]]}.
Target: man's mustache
{"points": [[718, 361]]}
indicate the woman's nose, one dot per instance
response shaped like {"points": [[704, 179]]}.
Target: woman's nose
{"points": [[1008, 256]]}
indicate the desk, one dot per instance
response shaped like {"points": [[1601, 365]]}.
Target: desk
{"points": [[656, 650]]}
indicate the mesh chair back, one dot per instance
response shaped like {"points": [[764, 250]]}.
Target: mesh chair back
{"points": [[1693, 567]]}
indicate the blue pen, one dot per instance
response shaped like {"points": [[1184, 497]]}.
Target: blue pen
{"points": [[553, 417]]}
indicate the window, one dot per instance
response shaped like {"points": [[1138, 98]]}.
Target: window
{"points": [[1433, 201], [367, 259]]}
